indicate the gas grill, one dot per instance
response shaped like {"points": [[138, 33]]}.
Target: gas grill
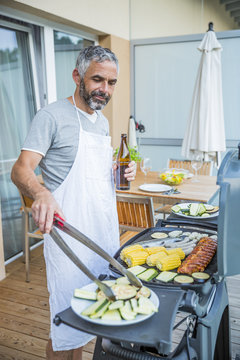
{"points": [[204, 307]]}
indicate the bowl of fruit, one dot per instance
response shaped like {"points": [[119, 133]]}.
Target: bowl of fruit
{"points": [[173, 176]]}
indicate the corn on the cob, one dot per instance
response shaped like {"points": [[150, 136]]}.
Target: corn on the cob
{"points": [[155, 249], [152, 259], [136, 258], [169, 262], [127, 250], [178, 251]]}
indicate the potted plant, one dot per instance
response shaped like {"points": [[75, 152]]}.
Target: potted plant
{"points": [[135, 155]]}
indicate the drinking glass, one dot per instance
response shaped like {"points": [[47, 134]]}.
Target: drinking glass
{"points": [[145, 166], [196, 164]]}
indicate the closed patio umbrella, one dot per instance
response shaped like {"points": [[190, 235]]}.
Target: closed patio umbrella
{"points": [[205, 133]]}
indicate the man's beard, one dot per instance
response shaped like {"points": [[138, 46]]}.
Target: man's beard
{"points": [[94, 104]]}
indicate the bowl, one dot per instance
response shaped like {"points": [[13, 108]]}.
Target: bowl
{"points": [[173, 176]]}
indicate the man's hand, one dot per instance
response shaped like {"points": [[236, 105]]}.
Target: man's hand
{"points": [[130, 172], [43, 209]]}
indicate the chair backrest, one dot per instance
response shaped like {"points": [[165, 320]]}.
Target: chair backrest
{"points": [[26, 202], [206, 168], [135, 212]]}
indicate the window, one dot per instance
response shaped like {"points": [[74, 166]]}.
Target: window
{"points": [[17, 108], [66, 49]]}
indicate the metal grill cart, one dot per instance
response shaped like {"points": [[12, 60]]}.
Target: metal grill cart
{"points": [[205, 305]]}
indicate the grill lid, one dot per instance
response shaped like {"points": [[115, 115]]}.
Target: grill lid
{"points": [[229, 219]]}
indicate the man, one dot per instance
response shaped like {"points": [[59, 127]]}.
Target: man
{"points": [[69, 140]]}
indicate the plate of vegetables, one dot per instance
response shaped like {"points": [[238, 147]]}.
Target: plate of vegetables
{"points": [[132, 305], [195, 210]]}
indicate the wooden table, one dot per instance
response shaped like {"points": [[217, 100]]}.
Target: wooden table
{"points": [[203, 191]]}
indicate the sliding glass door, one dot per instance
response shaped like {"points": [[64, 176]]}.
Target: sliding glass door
{"points": [[17, 108]]}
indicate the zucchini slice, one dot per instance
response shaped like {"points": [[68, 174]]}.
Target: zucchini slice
{"points": [[194, 209], [112, 315], [100, 313], [200, 276], [176, 208], [136, 270], [183, 279], [127, 313], [166, 276], [94, 308], [145, 306], [85, 294], [148, 274], [116, 305]]}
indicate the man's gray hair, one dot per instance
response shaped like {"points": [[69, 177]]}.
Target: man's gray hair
{"points": [[94, 53]]}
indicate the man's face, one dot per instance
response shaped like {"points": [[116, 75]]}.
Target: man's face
{"points": [[96, 88]]}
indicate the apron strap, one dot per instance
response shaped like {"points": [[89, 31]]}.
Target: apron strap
{"points": [[74, 103]]}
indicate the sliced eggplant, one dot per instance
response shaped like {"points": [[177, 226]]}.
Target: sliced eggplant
{"points": [[159, 235], [183, 279], [200, 277], [124, 292]]}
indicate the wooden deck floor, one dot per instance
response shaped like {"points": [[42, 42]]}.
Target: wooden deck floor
{"points": [[24, 312]]}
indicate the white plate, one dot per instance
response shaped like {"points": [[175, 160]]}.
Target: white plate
{"points": [[78, 305], [185, 205], [155, 187]]}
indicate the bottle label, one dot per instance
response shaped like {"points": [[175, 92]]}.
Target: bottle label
{"points": [[121, 182]]}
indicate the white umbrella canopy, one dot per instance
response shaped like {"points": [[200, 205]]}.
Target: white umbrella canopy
{"points": [[205, 133], [132, 137]]}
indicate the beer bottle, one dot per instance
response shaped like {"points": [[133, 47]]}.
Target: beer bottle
{"points": [[123, 159]]}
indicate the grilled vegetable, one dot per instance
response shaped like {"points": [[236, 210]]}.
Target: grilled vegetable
{"points": [[166, 276], [144, 291], [148, 275], [175, 233], [169, 262], [137, 269], [136, 258], [200, 276], [176, 208], [152, 259], [155, 249], [124, 292], [177, 251], [159, 235], [145, 306], [100, 313], [122, 280], [112, 315], [129, 249], [127, 313], [194, 209], [183, 279], [116, 305], [84, 294], [94, 308]]}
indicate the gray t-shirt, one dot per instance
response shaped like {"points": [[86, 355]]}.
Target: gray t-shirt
{"points": [[54, 133]]}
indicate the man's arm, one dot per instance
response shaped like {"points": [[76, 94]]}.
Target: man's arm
{"points": [[44, 205]]}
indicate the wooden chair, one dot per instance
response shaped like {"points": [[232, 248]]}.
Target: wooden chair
{"points": [[135, 212], [26, 208], [206, 168]]}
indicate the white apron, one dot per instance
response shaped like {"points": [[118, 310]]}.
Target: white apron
{"points": [[87, 198]]}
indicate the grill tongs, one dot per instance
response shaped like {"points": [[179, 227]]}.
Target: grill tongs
{"points": [[61, 224]]}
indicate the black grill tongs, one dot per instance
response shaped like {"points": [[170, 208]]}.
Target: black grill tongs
{"points": [[61, 224]]}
